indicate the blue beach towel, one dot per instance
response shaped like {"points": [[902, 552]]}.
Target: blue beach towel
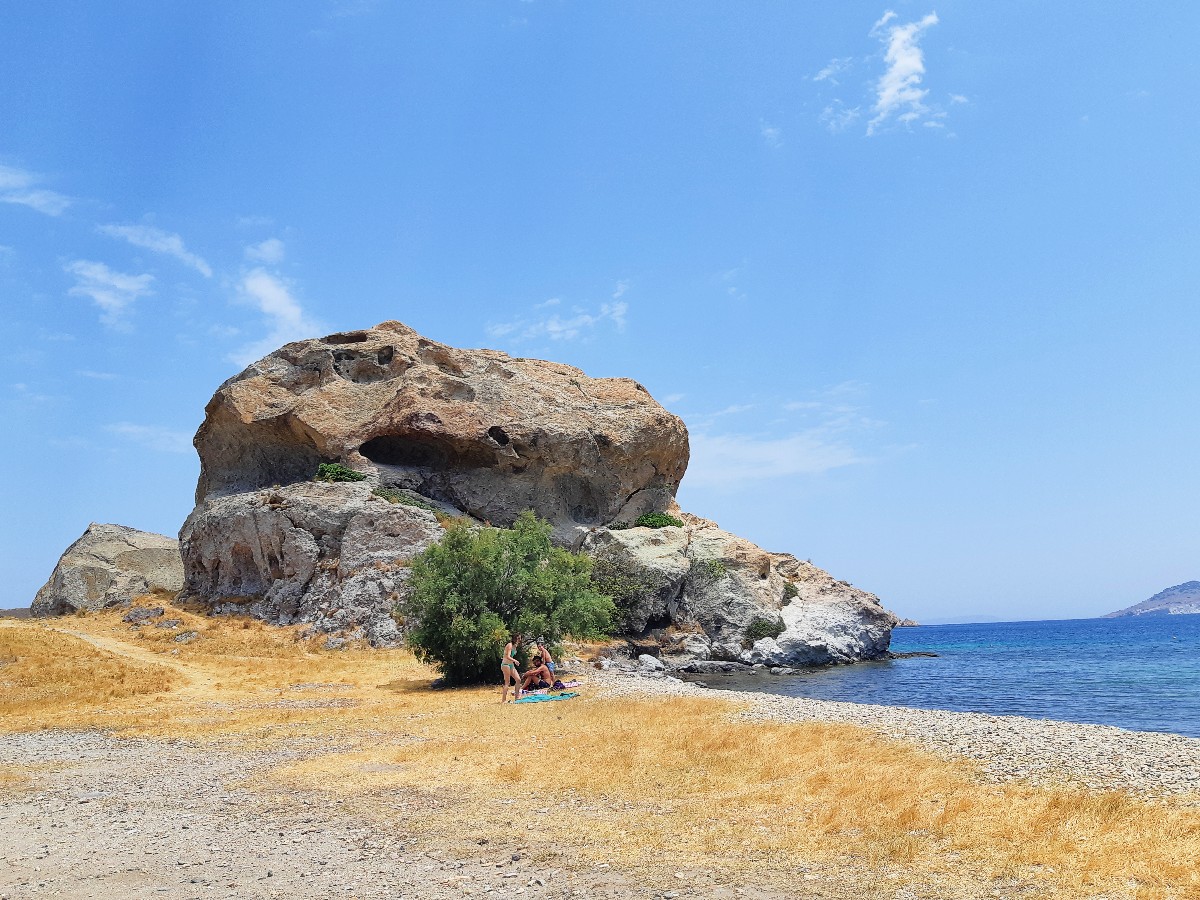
{"points": [[541, 698]]}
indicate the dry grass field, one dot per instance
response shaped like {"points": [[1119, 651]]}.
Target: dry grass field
{"points": [[651, 786]]}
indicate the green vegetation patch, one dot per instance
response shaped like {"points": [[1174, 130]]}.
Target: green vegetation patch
{"points": [[761, 627], [657, 520], [790, 590], [337, 472], [393, 495]]}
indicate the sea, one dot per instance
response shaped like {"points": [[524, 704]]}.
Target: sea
{"points": [[1140, 673]]}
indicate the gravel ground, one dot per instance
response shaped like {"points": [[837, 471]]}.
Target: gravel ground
{"points": [[1149, 764], [116, 818]]}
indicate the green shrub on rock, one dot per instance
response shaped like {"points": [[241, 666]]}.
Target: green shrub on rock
{"points": [[337, 472], [761, 627], [790, 590], [657, 520], [474, 589], [392, 495]]}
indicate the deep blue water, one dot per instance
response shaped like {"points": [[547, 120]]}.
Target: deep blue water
{"points": [[1139, 673]]}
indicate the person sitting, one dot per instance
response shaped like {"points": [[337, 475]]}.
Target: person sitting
{"points": [[541, 675]]}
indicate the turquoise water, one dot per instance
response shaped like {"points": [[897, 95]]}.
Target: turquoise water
{"points": [[1138, 673]]}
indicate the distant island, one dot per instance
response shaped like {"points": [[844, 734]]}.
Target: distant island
{"points": [[1182, 599]]}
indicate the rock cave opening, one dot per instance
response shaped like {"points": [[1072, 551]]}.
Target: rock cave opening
{"points": [[424, 451], [346, 337]]}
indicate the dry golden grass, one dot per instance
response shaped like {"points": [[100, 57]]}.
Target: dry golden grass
{"points": [[651, 785], [44, 672]]}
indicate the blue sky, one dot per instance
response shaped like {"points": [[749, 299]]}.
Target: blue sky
{"points": [[921, 278]]}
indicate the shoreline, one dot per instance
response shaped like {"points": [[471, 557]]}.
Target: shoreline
{"points": [[1149, 764]]}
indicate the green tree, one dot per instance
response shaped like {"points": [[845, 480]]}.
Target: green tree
{"points": [[477, 587]]}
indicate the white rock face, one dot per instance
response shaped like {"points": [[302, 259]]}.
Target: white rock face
{"points": [[696, 590], [110, 564], [333, 555]]}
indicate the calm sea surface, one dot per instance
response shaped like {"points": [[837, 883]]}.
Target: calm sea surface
{"points": [[1138, 673]]}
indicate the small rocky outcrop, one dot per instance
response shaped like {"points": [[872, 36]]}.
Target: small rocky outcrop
{"points": [[438, 431], [702, 593], [108, 565]]}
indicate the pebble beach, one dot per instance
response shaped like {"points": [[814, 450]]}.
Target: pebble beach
{"points": [[1100, 757]]}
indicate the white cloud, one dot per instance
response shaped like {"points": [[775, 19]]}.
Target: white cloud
{"points": [[836, 67], [270, 251], [155, 437], [772, 136], [729, 459], [21, 187], [836, 117], [158, 241], [673, 398], [113, 292], [898, 93], [286, 319], [958, 98], [97, 376], [565, 328], [553, 301], [620, 290]]}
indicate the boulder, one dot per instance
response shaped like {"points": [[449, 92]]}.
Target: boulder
{"points": [[331, 555], [704, 593], [108, 565], [478, 429]]}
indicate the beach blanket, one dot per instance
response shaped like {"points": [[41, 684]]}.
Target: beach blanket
{"points": [[565, 684], [540, 698]]}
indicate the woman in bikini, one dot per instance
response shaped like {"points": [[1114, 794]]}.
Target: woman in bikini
{"points": [[509, 670]]}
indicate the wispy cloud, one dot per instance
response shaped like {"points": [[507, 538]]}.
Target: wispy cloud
{"points": [[837, 117], [561, 327], [158, 241], [896, 98], [114, 292], [772, 136], [97, 376], [155, 437], [23, 187], [271, 251], [898, 93], [836, 67], [724, 460], [825, 433], [285, 318]]}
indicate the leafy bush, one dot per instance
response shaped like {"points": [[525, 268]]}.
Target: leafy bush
{"points": [[790, 590], [337, 472], [619, 526], [761, 627], [627, 586], [391, 495], [474, 589], [657, 520]]}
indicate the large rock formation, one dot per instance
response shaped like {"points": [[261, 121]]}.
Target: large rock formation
{"points": [[441, 431], [110, 564], [488, 433]]}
